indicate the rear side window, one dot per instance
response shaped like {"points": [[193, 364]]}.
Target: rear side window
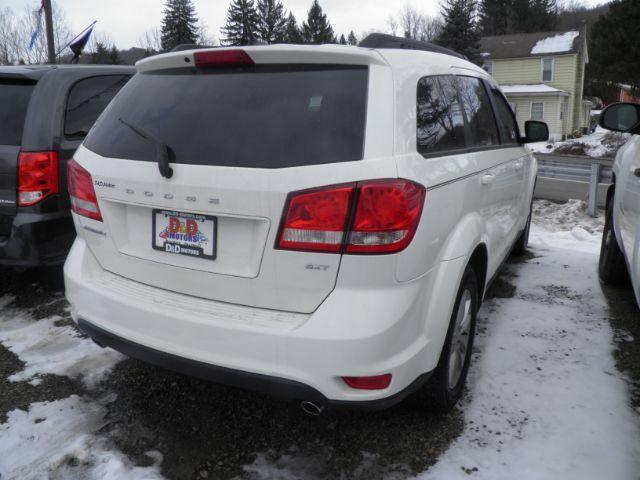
{"points": [[87, 99], [506, 121], [477, 107], [14, 101], [268, 116], [440, 120]]}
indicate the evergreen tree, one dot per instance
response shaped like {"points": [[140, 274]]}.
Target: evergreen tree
{"points": [[343, 41], [317, 29], [242, 23], [613, 59], [528, 16], [493, 17], [272, 24], [293, 34], [179, 24], [114, 56], [352, 40], [460, 31], [543, 15], [101, 55]]}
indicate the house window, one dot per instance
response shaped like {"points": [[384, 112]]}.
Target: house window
{"points": [[537, 110], [548, 65], [488, 66]]}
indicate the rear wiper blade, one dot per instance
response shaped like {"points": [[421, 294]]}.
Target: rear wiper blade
{"points": [[162, 149]]}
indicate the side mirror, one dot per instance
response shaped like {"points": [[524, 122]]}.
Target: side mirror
{"points": [[535, 131], [621, 117]]}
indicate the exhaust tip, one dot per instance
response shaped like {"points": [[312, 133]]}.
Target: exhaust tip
{"points": [[311, 408]]}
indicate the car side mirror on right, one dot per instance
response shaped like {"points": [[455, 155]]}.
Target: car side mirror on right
{"points": [[621, 117], [535, 131]]}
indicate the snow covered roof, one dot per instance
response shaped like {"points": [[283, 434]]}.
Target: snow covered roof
{"points": [[537, 89], [532, 44], [559, 43]]}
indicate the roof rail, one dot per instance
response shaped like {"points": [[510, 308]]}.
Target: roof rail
{"points": [[190, 46], [384, 41]]}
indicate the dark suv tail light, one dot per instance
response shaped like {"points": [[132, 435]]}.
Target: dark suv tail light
{"points": [[37, 177], [81, 192], [368, 218]]}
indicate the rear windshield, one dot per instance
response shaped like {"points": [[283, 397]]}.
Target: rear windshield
{"points": [[14, 100], [261, 117]]}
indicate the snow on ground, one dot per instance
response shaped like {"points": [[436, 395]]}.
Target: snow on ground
{"points": [[546, 400], [51, 346], [56, 440], [600, 144], [558, 43]]}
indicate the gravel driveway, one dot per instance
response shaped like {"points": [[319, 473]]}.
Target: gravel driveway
{"points": [[83, 412]]}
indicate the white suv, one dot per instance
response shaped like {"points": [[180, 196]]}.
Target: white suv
{"points": [[315, 222], [620, 252]]}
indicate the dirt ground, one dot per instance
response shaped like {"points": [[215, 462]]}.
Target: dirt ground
{"points": [[208, 431]]}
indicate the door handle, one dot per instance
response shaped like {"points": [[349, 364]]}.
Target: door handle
{"points": [[637, 172], [488, 179]]}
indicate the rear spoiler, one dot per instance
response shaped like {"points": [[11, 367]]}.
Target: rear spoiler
{"points": [[267, 54]]}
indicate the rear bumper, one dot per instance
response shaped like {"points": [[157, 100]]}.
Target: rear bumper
{"points": [[355, 332], [281, 388], [37, 239]]}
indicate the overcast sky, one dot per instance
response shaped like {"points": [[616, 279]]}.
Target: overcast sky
{"points": [[125, 21]]}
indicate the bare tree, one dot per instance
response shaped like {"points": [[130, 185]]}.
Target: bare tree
{"points": [[392, 24], [16, 32], [414, 24], [150, 40]]}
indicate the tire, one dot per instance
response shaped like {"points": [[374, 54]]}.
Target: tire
{"points": [[520, 247], [444, 389], [612, 268]]}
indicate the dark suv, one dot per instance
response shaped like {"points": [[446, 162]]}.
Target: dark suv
{"points": [[45, 113]]}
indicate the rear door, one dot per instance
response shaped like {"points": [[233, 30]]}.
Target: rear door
{"points": [[239, 139], [15, 95], [501, 173]]}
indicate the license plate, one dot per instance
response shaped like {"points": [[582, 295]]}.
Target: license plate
{"points": [[189, 234]]}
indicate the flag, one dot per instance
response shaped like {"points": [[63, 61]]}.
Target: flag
{"points": [[36, 32], [78, 44]]}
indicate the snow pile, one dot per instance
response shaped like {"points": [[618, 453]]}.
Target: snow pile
{"points": [[558, 43], [601, 144], [52, 346], [571, 215], [56, 440], [546, 399]]}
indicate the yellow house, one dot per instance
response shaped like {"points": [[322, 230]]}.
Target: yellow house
{"points": [[542, 76]]}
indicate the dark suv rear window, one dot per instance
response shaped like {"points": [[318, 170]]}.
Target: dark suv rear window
{"points": [[259, 117], [14, 101], [87, 99]]}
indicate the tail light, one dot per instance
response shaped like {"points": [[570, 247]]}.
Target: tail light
{"points": [[370, 217], [81, 192], [222, 58], [379, 382], [37, 177]]}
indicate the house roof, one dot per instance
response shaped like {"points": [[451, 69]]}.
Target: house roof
{"points": [[537, 89], [532, 44]]}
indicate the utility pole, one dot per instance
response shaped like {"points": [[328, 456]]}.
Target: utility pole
{"points": [[48, 20]]}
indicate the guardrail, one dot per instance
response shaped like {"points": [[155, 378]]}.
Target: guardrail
{"points": [[562, 177]]}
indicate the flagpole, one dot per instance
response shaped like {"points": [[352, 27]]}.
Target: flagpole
{"points": [[48, 20]]}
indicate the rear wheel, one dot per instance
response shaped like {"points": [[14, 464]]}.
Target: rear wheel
{"points": [[612, 268], [447, 382]]}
